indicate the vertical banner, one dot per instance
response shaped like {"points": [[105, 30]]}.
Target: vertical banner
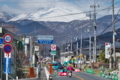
{"points": [[53, 49], [107, 50]]}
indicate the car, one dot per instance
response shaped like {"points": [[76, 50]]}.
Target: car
{"points": [[56, 65]]}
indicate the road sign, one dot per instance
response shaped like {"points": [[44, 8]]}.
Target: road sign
{"points": [[36, 48], [45, 39], [53, 52], [53, 47], [1, 45], [107, 50], [7, 65], [7, 49], [1, 40], [7, 38], [7, 55]]}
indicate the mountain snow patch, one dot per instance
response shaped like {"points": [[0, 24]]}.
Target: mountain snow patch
{"points": [[59, 14]]}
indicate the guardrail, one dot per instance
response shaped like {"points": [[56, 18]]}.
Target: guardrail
{"points": [[47, 73]]}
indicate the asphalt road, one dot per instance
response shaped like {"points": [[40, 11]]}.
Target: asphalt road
{"points": [[80, 76]]}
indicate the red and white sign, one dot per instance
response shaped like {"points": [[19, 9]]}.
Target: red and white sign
{"points": [[7, 55], [7, 38], [53, 47], [107, 50], [63, 74], [59, 73], [77, 70]]}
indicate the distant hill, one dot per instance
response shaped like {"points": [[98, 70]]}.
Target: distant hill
{"points": [[63, 32]]}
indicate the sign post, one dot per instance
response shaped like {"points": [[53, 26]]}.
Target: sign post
{"points": [[7, 59], [7, 38], [107, 50], [53, 50]]}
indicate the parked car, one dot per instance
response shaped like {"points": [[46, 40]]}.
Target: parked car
{"points": [[57, 65]]}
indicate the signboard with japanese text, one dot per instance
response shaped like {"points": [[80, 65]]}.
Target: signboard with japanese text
{"points": [[107, 50], [45, 39], [36, 48], [7, 65]]}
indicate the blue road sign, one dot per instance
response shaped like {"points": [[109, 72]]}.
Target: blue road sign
{"points": [[1, 40], [45, 39], [7, 48], [7, 65]]}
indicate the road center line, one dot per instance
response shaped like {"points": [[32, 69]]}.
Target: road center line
{"points": [[78, 77]]}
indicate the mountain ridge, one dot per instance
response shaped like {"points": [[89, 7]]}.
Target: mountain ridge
{"points": [[64, 31], [59, 14]]}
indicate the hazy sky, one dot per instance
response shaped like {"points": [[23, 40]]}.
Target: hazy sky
{"points": [[28, 6]]}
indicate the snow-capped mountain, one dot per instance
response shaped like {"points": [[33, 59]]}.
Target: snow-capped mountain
{"points": [[57, 14], [5, 16]]}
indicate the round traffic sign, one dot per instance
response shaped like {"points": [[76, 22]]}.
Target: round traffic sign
{"points": [[7, 38], [7, 48], [53, 47]]}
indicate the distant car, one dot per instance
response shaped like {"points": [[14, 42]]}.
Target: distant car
{"points": [[56, 65]]}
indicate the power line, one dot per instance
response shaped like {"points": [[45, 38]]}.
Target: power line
{"points": [[79, 13], [111, 23], [80, 18], [74, 13], [103, 3]]}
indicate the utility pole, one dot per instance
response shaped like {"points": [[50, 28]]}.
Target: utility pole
{"points": [[114, 33], [89, 31], [77, 45], [31, 51], [1, 60], [71, 43], [95, 26], [81, 41]]}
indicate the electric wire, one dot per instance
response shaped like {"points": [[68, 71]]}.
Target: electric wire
{"points": [[111, 23], [74, 13], [102, 4], [82, 12], [74, 33]]}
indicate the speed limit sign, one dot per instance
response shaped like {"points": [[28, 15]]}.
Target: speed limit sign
{"points": [[53, 47]]}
